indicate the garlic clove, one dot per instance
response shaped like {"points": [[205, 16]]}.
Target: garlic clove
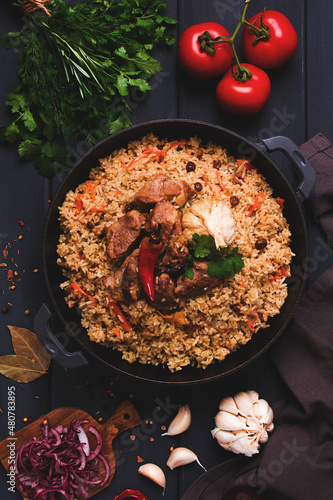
{"points": [[263, 438], [245, 446], [181, 422], [228, 404], [227, 437], [253, 395], [263, 411], [182, 456], [244, 403], [154, 473], [228, 422], [269, 427]]}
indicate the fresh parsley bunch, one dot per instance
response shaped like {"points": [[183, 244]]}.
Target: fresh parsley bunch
{"points": [[77, 67], [221, 261]]}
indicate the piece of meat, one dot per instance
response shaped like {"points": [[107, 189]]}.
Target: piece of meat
{"points": [[173, 260], [165, 297], [122, 234], [161, 221], [201, 282], [124, 284], [162, 188]]}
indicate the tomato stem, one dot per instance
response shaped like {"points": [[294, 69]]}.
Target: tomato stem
{"points": [[207, 42]]}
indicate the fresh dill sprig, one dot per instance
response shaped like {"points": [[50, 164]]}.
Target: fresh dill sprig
{"points": [[77, 68]]}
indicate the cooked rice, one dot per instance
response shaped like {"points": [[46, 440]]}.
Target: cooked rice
{"points": [[218, 322]]}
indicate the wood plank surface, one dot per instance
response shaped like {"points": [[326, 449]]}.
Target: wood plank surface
{"points": [[300, 105]]}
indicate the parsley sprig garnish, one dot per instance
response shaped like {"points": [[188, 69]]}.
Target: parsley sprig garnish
{"points": [[222, 262], [78, 69]]}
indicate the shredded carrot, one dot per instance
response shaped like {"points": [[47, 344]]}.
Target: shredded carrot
{"points": [[242, 282], [118, 333], [250, 323], [176, 144], [204, 178], [280, 202], [258, 200], [119, 313], [9, 275], [96, 208], [117, 192], [145, 154], [227, 330], [77, 288], [265, 317], [218, 178]]}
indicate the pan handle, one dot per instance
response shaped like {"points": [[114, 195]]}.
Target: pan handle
{"points": [[302, 164], [52, 344]]}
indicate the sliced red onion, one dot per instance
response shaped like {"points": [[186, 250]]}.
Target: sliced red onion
{"points": [[83, 439], [58, 463], [99, 443]]}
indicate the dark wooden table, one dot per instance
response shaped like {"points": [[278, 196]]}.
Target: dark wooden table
{"points": [[300, 105]]}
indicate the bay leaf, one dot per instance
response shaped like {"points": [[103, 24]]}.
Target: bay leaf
{"points": [[26, 343], [20, 368]]}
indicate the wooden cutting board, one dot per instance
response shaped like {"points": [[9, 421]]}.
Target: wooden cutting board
{"points": [[122, 419]]}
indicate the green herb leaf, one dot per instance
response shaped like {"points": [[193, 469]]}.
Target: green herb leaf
{"points": [[76, 70], [221, 262]]}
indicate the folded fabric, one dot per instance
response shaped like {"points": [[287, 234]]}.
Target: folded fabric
{"points": [[297, 461]]}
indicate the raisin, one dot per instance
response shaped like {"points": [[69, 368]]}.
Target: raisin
{"points": [[217, 164], [199, 154], [198, 186], [260, 244], [90, 225], [190, 166], [234, 201]]}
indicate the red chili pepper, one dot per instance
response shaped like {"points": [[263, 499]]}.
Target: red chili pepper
{"points": [[148, 256], [136, 494], [119, 313]]}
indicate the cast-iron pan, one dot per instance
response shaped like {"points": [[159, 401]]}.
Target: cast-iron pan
{"points": [[175, 129]]}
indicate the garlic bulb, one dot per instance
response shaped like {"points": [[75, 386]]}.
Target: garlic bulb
{"points": [[154, 473], [211, 217], [182, 456], [180, 423], [243, 422]]}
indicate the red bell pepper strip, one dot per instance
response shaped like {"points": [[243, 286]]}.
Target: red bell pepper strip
{"points": [[119, 313], [149, 253], [77, 288], [261, 196], [79, 204], [136, 494], [247, 165]]}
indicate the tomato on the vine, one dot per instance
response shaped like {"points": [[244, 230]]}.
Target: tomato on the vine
{"points": [[274, 45], [200, 54], [243, 97]]}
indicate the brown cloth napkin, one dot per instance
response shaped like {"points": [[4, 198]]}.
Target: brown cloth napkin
{"points": [[297, 461]]}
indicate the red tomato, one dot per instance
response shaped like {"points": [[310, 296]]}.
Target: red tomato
{"points": [[243, 98], [274, 50], [200, 63]]}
